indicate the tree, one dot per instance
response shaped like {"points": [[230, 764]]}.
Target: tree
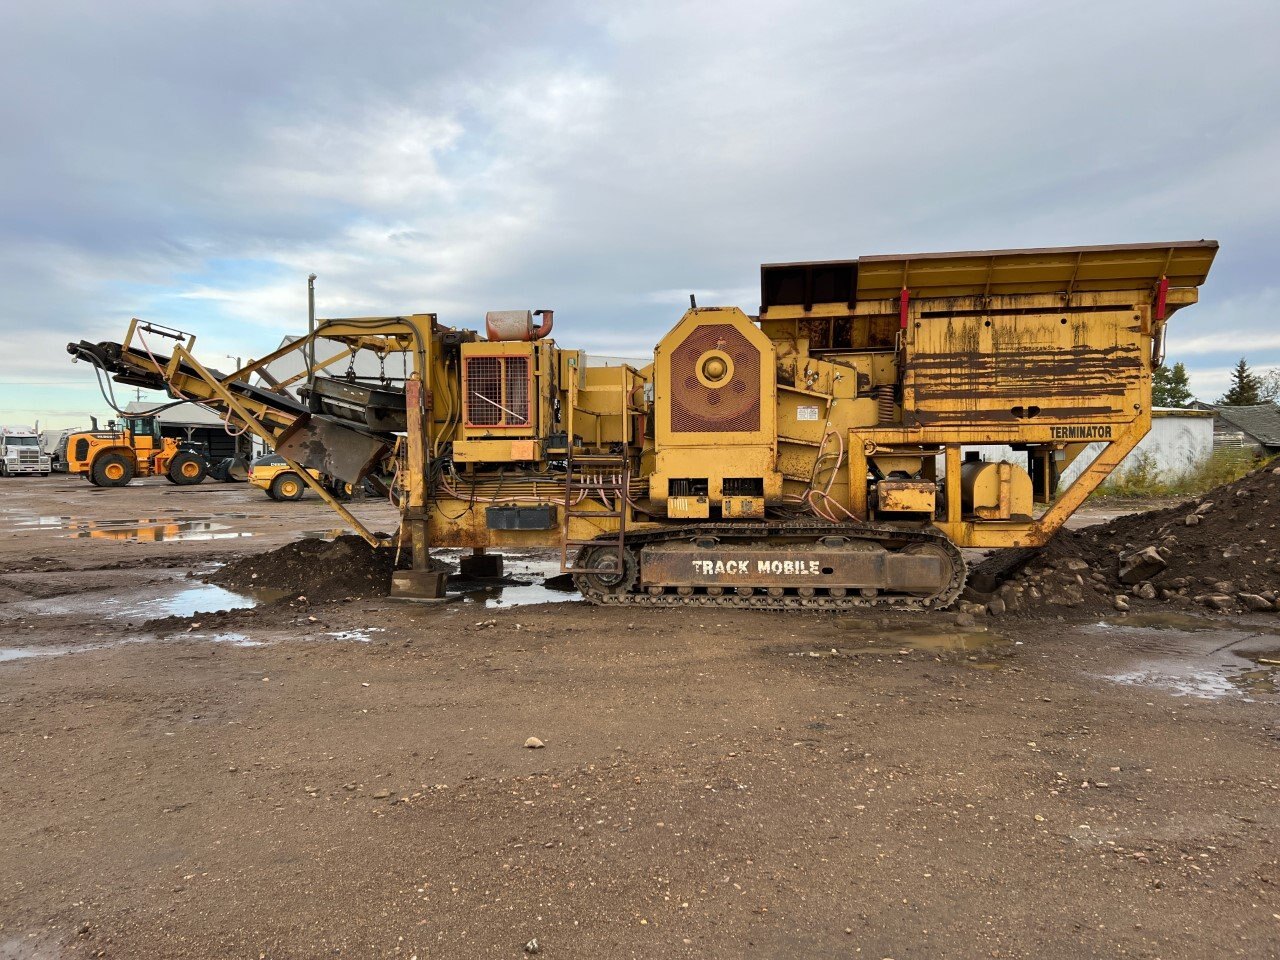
{"points": [[1269, 385], [1244, 390], [1171, 388]]}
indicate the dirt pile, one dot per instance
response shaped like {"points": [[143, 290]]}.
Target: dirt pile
{"points": [[1220, 553], [320, 570]]}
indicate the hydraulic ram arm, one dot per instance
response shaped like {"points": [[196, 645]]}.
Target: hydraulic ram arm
{"points": [[305, 441]]}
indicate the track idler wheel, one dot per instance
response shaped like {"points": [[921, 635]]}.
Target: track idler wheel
{"points": [[605, 572], [927, 550]]}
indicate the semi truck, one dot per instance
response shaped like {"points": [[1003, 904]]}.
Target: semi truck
{"points": [[21, 454]]}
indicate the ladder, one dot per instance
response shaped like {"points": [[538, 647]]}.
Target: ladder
{"points": [[607, 475], [599, 475]]}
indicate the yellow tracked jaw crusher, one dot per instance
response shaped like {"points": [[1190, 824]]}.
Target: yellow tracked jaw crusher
{"points": [[835, 450]]}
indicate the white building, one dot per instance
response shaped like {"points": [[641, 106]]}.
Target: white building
{"points": [[1179, 441]]}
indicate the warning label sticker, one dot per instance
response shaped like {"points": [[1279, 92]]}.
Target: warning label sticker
{"points": [[807, 413]]}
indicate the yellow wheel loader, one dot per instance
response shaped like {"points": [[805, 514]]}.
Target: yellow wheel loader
{"points": [[273, 475], [134, 448]]}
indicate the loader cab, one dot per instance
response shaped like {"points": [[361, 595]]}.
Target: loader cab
{"points": [[145, 432]]}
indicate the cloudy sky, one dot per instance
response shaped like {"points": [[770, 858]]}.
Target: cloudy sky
{"points": [[191, 162]]}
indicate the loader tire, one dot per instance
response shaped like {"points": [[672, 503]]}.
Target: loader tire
{"points": [[287, 486], [187, 468], [112, 470]]}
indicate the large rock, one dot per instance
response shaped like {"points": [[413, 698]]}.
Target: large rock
{"points": [[1142, 565], [1145, 591]]}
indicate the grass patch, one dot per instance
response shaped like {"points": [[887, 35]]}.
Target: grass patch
{"points": [[1142, 480]]}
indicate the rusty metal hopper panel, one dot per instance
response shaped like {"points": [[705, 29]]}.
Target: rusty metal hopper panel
{"points": [[1135, 266], [335, 449], [377, 407]]}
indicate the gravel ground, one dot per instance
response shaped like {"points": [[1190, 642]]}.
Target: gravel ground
{"points": [[300, 779]]}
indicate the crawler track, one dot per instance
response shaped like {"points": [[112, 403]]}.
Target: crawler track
{"points": [[823, 598]]}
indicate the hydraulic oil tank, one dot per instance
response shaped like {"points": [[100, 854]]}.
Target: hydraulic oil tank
{"points": [[995, 491]]}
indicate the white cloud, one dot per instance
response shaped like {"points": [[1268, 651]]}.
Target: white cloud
{"points": [[606, 159], [389, 158]]}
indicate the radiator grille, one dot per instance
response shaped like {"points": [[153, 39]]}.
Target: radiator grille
{"points": [[732, 408], [498, 391]]}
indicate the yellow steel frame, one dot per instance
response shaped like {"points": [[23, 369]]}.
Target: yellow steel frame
{"points": [[864, 442], [388, 334]]}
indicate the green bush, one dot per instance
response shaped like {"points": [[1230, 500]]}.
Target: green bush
{"points": [[1140, 481]]}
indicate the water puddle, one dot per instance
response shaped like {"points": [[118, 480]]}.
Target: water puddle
{"points": [[1263, 680], [518, 596], [1164, 620], [234, 639], [1208, 682], [23, 653], [1191, 656], [331, 534], [177, 598], [197, 598], [529, 573], [10, 654], [357, 634], [194, 530], [140, 529]]}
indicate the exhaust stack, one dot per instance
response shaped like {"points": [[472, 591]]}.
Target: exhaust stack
{"points": [[517, 325]]}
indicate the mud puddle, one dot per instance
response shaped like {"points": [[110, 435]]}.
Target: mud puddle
{"points": [[1191, 657], [973, 647]]}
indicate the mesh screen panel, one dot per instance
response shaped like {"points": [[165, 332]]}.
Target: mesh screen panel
{"points": [[497, 391], [732, 408], [516, 385]]}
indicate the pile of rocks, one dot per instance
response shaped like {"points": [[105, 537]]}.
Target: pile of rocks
{"points": [[1220, 553], [321, 570], [1048, 585]]}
